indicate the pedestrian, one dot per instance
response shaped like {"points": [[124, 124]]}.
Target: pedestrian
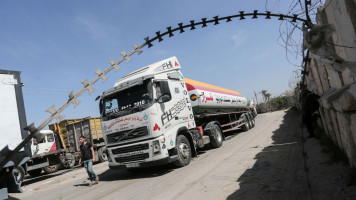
{"points": [[87, 156], [310, 106]]}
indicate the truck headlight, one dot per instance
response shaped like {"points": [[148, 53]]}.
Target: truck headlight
{"points": [[156, 146]]}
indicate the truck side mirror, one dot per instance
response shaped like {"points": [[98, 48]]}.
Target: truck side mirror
{"points": [[166, 93], [164, 88], [164, 98], [39, 137], [101, 106]]}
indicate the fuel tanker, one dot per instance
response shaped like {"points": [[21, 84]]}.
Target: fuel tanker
{"points": [[213, 99], [155, 116]]}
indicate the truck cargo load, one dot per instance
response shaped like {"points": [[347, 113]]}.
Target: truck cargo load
{"points": [[60, 129]]}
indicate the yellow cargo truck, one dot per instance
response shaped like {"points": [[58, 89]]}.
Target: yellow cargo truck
{"points": [[69, 131], [91, 129], [61, 130]]}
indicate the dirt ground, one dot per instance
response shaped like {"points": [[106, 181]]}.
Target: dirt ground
{"points": [[270, 161]]}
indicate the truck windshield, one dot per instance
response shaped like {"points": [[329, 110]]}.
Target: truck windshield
{"points": [[131, 100]]}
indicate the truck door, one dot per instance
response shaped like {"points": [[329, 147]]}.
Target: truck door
{"points": [[176, 110]]}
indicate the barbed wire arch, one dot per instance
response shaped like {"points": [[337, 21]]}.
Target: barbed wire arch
{"points": [[216, 20]]}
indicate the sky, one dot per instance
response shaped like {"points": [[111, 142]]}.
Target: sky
{"points": [[58, 44]]}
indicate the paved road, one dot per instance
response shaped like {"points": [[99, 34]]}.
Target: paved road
{"points": [[234, 171]]}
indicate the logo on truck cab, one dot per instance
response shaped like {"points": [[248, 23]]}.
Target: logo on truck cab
{"points": [[165, 66], [174, 111]]}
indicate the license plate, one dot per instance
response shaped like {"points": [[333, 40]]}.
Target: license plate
{"points": [[131, 165]]}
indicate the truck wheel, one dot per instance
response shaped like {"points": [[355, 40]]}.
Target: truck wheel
{"points": [[51, 168], [35, 172], [216, 140], [253, 122], [250, 122], [183, 151], [245, 127], [19, 174], [102, 154], [70, 163]]}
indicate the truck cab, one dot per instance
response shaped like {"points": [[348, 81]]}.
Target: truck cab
{"points": [[44, 143], [143, 114]]}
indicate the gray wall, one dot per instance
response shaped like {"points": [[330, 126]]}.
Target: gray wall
{"points": [[332, 73]]}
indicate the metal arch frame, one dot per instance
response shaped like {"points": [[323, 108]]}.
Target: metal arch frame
{"points": [[10, 155]]}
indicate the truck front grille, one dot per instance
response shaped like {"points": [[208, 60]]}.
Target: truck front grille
{"points": [[132, 158], [127, 135], [138, 147]]}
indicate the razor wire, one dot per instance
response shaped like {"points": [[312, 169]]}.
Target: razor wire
{"points": [[87, 86]]}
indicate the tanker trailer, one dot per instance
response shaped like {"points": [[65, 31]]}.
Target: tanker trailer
{"points": [[228, 107], [154, 116]]}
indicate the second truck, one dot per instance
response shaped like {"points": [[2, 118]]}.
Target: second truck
{"points": [[154, 116]]}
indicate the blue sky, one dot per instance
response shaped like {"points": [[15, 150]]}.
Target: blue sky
{"points": [[58, 44]]}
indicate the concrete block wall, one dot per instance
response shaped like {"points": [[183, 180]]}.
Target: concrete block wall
{"points": [[332, 75]]}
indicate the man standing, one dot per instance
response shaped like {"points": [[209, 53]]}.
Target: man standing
{"points": [[87, 156], [310, 106]]}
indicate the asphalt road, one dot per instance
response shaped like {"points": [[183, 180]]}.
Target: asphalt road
{"points": [[265, 162]]}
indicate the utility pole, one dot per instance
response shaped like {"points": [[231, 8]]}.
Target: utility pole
{"points": [[256, 98]]}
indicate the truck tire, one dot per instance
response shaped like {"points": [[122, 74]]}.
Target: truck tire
{"points": [[102, 154], [245, 127], [69, 161], [216, 139], [249, 123], [19, 174], [249, 118], [183, 151], [51, 168], [35, 172], [253, 122]]}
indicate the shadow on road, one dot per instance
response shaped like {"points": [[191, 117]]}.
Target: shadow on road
{"points": [[81, 185], [114, 175], [278, 172], [12, 198], [29, 179]]}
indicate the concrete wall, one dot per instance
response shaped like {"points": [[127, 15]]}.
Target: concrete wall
{"points": [[332, 73]]}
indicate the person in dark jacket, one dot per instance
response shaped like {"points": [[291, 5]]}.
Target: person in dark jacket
{"points": [[310, 106], [87, 156]]}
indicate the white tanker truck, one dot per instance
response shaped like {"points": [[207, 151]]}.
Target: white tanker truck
{"points": [[154, 116]]}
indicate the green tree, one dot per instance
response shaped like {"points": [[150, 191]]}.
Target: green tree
{"points": [[279, 103], [265, 95]]}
